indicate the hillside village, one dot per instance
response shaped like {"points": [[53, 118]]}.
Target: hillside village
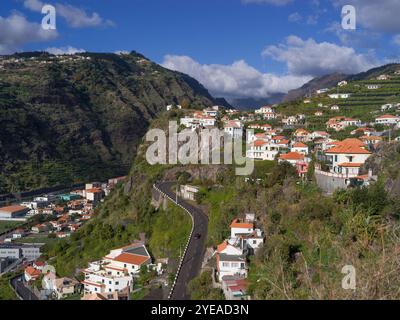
{"points": [[324, 137]]}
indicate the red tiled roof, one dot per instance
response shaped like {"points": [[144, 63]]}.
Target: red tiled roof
{"points": [[131, 258], [94, 190], [221, 247], [299, 145], [350, 165], [388, 116], [238, 224], [13, 208], [292, 156], [32, 272], [259, 143], [349, 146]]}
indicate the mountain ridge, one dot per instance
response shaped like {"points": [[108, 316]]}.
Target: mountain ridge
{"points": [[83, 117]]}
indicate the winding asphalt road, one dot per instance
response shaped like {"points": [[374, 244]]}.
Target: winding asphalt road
{"points": [[22, 291], [193, 259]]}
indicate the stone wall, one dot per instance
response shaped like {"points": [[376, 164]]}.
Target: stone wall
{"points": [[329, 182]]}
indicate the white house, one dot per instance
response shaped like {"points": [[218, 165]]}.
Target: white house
{"points": [[300, 148], [170, 107], [117, 270], [94, 195], [269, 115], [342, 83], [231, 265], [373, 86], [335, 108], [234, 128], [210, 112], [340, 123], [387, 119], [263, 150], [239, 227], [318, 135], [59, 287], [292, 157], [265, 109], [339, 95], [321, 91], [387, 106], [31, 274], [291, 120], [382, 77], [348, 156]]}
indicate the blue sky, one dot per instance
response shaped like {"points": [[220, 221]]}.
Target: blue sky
{"points": [[236, 48]]}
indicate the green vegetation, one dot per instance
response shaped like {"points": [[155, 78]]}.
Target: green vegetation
{"points": [[201, 288], [6, 291], [84, 119], [120, 220], [170, 231], [8, 225]]}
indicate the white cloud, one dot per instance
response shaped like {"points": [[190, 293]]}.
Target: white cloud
{"points": [[15, 31], [295, 17], [34, 5], [396, 40], [310, 58], [235, 80], [273, 2], [376, 15], [75, 17], [359, 38], [64, 50]]}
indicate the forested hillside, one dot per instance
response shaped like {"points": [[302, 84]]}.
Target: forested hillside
{"points": [[68, 119]]}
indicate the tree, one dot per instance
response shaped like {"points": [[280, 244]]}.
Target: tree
{"points": [[185, 103], [200, 288]]}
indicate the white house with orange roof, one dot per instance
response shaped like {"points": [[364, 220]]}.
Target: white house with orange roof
{"points": [[117, 270], [239, 227], [31, 274], [291, 157], [347, 156], [388, 119], [300, 147], [301, 135], [262, 150], [339, 123], [318, 135]]}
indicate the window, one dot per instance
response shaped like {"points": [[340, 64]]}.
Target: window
{"points": [[116, 283], [125, 265], [225, 264], [254, 241]]}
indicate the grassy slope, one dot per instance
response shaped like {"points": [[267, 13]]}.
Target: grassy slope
{"points": [[119, 221]]}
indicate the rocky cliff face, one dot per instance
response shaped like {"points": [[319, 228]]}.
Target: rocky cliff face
{"points": [[386, 162]]}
